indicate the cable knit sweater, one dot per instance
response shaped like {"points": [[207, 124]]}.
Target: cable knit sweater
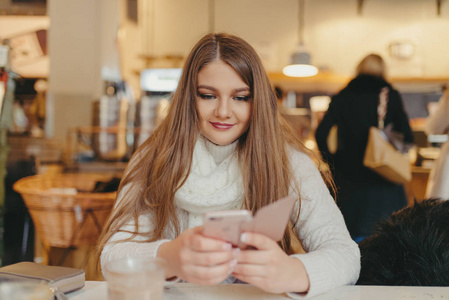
{"points": [[332, 258]]}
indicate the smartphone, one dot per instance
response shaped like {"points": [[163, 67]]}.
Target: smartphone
{"points": [[226, 224], [271, 220]]}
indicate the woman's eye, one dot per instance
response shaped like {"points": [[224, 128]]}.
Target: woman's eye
{"points": [[241, 98], [206, 96]]}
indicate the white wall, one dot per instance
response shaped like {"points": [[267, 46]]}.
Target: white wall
{"points": [[74, 46], [339, 38], [82, 42], [336, 35], [177, 25]]}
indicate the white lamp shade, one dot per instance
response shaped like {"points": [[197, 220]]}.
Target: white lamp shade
{"points": [[300, 70], [300, 64]]}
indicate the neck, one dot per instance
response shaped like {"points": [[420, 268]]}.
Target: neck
{"points": [[219, 153]]}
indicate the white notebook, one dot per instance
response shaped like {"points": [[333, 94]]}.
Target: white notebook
{"points": [[63, 278]]}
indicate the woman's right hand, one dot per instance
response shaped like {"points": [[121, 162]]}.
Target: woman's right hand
{"points": [[198, 259]]}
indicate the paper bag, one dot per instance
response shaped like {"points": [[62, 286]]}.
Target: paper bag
{"points": [[383, 158], [332, 139]]}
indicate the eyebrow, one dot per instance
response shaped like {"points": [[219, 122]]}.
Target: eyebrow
{"points": [[208, 87]]}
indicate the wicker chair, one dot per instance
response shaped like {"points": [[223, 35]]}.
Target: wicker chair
{"points": [[63, 219]]}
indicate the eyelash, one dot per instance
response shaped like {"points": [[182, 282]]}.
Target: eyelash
{"points": [[242, 98], [206, 96], [210, 97]]}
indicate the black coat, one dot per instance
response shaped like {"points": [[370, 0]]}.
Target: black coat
{"points": [[363, 196]]}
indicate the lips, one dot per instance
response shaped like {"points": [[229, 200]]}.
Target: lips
{"points": [[222, 126]]}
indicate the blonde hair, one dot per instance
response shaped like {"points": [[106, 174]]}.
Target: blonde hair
{"points": [[372, 64], [164, 160]]}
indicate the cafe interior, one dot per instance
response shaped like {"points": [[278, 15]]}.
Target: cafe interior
{"points": [[89, 80]]}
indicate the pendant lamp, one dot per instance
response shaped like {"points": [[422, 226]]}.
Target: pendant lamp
{"points": [[300, 65]]}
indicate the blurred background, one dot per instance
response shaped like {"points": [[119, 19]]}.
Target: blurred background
{"points": [[85, 82]]}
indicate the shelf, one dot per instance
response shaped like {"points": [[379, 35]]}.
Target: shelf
{"points": [[326, 82], [330, 83]]}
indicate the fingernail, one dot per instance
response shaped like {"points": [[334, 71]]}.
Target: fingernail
{"points": [[244, 237], [236, 252], [227, 246], [232, 264]]}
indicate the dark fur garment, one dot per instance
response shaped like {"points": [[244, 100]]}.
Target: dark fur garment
{"points": [[410, 248]]}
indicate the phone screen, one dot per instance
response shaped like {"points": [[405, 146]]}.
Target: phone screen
{"points": [[225, 225]]}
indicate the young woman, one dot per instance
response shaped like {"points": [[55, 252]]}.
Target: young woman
{"points": [[364, 197], [223, 145]]}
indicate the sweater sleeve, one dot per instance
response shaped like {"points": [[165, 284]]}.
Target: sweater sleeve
{"points": [[438, 122], [332, 258], [117, 247]]}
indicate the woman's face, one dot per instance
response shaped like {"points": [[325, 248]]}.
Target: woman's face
{"points": [[223, 102]]}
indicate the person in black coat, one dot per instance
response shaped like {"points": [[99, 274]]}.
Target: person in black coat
{"points": [[364, 197]]}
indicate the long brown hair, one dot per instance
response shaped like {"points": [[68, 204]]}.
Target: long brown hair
{"points": [[161, 165]]}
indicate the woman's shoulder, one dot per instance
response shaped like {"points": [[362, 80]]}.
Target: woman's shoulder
{"points": [[365, 83], [308, 176], [301, 159]]}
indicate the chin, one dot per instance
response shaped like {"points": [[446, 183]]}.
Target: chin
{"points": [[220, 142]]}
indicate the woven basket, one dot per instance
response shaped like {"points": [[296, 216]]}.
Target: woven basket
{"points": [[63, 220]]}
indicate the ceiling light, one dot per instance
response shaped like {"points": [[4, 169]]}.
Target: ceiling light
{"points": [[300, 65]]}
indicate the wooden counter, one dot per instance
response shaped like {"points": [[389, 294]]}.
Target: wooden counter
{"points": [[416, 188]]}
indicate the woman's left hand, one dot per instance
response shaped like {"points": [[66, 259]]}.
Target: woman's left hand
{"points": [[269, 267]]}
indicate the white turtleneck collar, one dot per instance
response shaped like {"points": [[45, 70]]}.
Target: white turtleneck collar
{"points": [[214, 182], [219, 153]]}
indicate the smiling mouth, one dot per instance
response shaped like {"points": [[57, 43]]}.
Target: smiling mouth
{"points": [[219, 125]]}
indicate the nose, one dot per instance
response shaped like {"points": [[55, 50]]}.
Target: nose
{"points": [[223, 109]]}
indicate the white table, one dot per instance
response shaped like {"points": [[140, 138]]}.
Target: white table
{"points": [[95, 290]]}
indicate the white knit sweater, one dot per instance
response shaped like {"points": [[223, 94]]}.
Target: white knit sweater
{"points": [[332, 258]]}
